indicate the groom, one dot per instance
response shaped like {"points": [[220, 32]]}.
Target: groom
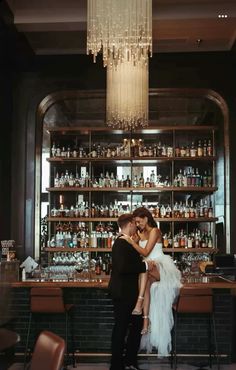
{"points": [[123, 286]]}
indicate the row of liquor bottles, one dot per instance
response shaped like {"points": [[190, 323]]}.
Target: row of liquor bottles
{"points": [[184, 177], [104, 239], [195, 239], [135, 148], [191, 209]]}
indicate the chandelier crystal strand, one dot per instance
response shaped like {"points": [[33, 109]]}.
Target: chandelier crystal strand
{"points": [[127, 95], [121, 29]]}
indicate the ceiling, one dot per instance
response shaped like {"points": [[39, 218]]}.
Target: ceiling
{"points": [[56, 27]]}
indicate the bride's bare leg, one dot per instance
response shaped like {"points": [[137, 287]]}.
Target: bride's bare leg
{"points": [[143, 278], [146, 306], [155, 273], [153, 276]]}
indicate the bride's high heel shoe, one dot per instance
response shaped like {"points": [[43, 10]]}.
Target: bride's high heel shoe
{"points": [[146, 330], [137, 311]]}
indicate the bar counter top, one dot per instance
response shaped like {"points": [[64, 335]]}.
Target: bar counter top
{"points": [[198, 281]]}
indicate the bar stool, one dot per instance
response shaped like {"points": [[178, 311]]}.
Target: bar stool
{"points": [[50, 301], [197, 301], [48, 353]]}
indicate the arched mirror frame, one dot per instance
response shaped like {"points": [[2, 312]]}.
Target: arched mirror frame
{"points": [[51, 99]]}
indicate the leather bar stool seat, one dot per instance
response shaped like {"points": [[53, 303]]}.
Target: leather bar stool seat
{"points": [[50, 301], [48, 353], [196, 301]]}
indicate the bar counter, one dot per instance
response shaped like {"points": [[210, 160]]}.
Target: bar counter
{"points": [[198, 281], [93, 315]]}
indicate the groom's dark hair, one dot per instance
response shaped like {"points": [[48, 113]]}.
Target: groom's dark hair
{"points": [[123, 220]]}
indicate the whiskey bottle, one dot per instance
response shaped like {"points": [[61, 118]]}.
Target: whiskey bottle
{"points": [[141, 181], [199, 149]]}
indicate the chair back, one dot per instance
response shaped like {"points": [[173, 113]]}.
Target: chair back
{"points": [[48, 352], [194, 300], [46, 300]]}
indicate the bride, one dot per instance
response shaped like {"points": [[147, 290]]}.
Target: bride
{"points": [[158, 288]]}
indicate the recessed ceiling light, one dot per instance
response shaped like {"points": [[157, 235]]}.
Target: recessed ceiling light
{"points": [[222, 15]]}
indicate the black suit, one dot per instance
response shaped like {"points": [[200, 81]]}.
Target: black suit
{"points": [[123, 286]]}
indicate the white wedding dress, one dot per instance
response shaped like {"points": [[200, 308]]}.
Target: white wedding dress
{"points": [[162, 295]]}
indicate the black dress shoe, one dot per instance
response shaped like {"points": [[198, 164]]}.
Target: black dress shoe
{"points": [[132, 367]]}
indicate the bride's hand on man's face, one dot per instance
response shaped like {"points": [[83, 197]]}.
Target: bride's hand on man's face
{"points": [[135, 237]]}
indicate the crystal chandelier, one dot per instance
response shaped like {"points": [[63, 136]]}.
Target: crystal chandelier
{"points": [[127, 95], [121, 29]]}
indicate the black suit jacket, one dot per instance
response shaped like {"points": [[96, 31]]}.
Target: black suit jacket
{"points": [[126, 266]]}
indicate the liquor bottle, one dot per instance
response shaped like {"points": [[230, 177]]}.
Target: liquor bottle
{"points": [[190, 242], [112, 180], [168, 211], [147, 183], [206, 209], [99, 151], [187, 151], [74, 152], [209, 179], [165, 241], [141, 181], [71, 180], [176, 210], [68, 152], [177, 151], [53, 150], [164, 151], [63, 152], [209, 148], [192, 212], [182, 151], [152, 178], [98, 266], [94, 153], [204, 240], [58, 151], [56, 181], [186, 209], [127, 182], [184, 179], [159, 149], [205, 148], [135, 181], [163, 211], [205, 179], [210, 210], [201, 209], [210, 240], [199, 149], [150, 151], [157, 210], [198, 178], [193, 150]]}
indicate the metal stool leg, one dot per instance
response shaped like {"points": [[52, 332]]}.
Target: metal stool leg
{"points": [[72, 337], [215, 341], [209, 341], [66, 329], [27, 339]]}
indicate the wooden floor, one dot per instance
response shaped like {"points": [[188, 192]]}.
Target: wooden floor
{"points": [[152, 366]]}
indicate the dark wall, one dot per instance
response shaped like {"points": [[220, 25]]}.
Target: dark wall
{"points": [[32, 78], [5, 153]]}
